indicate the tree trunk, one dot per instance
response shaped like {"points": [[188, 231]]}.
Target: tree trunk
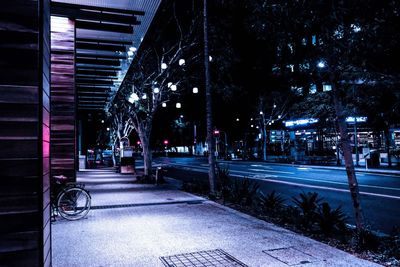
{"points": [[345, 142], [114, 158], [264, 139], [387, 145], [210, 141], [147, 159]]}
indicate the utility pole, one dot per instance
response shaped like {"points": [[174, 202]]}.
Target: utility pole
{"points": [[210, 143]]}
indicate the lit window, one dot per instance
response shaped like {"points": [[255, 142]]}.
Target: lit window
{"points": [[313, 89], [314, 40], [356, 28], [326, 87]]}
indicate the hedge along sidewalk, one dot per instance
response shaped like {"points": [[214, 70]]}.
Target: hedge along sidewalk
{"points": [[273, 240]]}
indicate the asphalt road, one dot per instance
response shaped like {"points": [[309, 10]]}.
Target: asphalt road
{"points": [[380, 193]]}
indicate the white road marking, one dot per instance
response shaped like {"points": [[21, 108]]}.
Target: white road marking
{"points": [[257, 170], [303, 169], [260, 166], [264, 176], [258, 176], [326, 188], [377, 174], [357, 172], [340, 183], [330, 182], [262, 170]]}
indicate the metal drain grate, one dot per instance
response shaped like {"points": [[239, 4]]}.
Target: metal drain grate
{"points": [[208, 258]]}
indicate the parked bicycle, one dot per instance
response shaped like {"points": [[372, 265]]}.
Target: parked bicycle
{"points": [[69, 200]]}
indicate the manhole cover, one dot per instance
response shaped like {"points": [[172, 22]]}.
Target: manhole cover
{"points": [[208, 258], [290, 256]]}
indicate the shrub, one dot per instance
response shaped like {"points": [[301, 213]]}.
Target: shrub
{"points": [[270, 203], [224, 182], [366, 239], [243, 191], [195, 186], [308, 204], [392, 244], [330, 221]]}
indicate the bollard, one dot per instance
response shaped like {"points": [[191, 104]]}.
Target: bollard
{"points": [[160, 175]]}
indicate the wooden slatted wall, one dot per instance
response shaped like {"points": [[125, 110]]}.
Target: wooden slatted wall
{"points": [[24, 105], [46, 234], [63, 97]]}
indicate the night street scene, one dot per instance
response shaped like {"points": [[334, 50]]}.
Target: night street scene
{"points": [[186, 133]]}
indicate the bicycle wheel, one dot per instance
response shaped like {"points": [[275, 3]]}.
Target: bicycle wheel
{"points": [[73, 203]]}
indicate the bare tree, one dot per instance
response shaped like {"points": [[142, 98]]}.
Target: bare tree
{"points": [[155, 79], [269, 114], [121, 126]]}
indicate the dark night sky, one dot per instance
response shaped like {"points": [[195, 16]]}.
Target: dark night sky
{"points": [[241, 60], [248, 80], [227, 29]]}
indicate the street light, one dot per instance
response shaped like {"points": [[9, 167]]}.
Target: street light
{"points": [[321, 64]]}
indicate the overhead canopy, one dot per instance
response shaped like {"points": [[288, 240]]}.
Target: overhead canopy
{"points": [[108, 33]]}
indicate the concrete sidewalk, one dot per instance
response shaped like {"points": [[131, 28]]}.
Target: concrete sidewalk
{"points": [[135, 225]]}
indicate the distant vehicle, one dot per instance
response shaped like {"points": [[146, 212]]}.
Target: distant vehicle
{"points": [[107, 157]]}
